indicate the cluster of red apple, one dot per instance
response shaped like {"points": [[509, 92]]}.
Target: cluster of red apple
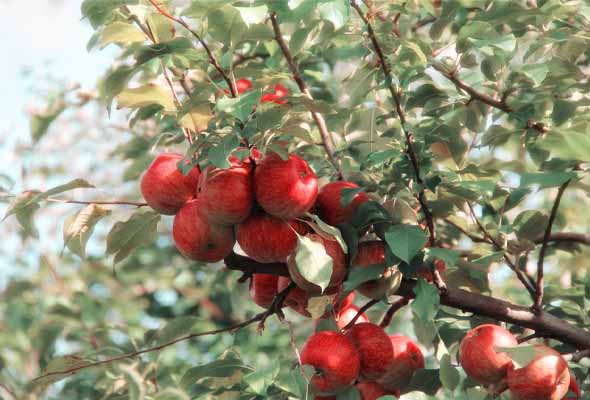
{"points": [[364, 356], [278, 95], [545, 377]]}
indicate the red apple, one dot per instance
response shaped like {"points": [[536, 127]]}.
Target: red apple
{"points": [[407, 359], [265, 238], [371, 253], [347, 301], [347, 314], [263, 289], [242, 85], [573, 387], [334, 250], [373, 391], [335, 359], [479, 358], [546, 377], [329, 203], [374, 347], [227, 194], [278, 96], [285, 189], [297, 299], [196, 238], [165, 188]]}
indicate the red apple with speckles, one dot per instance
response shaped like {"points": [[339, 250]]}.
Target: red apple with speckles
{"points": [[478, 356], [263, 289], [407, 359], [545, 377], [265, 238], [198, 239], [371, 253], [335, 359], [165, 188], [374, 347], [285, 188], [333, 250], [329, 202], [347, 314], [228, 194]]}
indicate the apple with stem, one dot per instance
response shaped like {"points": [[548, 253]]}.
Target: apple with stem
{"points": [[285, 188], [165, 188], [198, 239], [265, 238]]}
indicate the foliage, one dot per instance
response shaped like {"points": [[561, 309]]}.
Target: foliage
{"points": [[493, 98]]}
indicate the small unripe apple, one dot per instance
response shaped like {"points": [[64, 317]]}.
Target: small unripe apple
{"points": [[407, 359], [478, 356], [263, 289], [546, 377], [165, 188], [374, 347], [329, 203], [333, 250], [285, 188], [228, 194], [335, 359], [265, 238], [371, 253], [347, 314], [198, 239], [277, 96]]}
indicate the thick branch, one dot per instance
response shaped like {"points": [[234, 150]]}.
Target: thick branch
{"points": [[541, 261], [317, 117], [547, 324], [566, 237]]}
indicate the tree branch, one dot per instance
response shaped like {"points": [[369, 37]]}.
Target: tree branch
{"points": [[360, 312], [566, 237], [541, 260], [526, 280], [395, 307], [500, 310], [317, 117], [577, 356], [109, 202], [396, 96]]}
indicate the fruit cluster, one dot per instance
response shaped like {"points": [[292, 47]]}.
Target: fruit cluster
{"points": [[544, 377], [364, 356]]}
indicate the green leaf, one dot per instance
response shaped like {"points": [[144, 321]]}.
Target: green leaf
{"points": [[405, 241], [426, 381], [100, 11], [215, 369], [115, 82], [312, 262], [161, 27], [530, 224], [449, 376], [335, 11], [449, 256], [521, 354], [562, 111], [140, 229], [200, 8], [219, 154], [358, 276], [146, 95], [55, 370], [75, 184], [226, 25], [174, 46], [328, 232], [79, 227], [240, 107], [568, 144], [546, 179], [496, 135], [349, 394], [427, 300], [40, 122], [260, 380], [535, 72], [120, 33], [175, 328]]}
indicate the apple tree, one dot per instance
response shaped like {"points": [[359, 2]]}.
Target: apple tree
{"points": [[311, 199]]}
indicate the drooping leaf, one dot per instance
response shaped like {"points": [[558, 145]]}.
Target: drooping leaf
{"points": [[545, 179], [217, 369], [240, 107], [79, 227], [41, 121], [219, 154], [313, 262], [140, 229]]}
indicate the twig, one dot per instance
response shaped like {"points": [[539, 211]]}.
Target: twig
{"points": [[577, 356], [75, 369], [276, 305], [187, 132], [109, 202], [396, 96], [212, 58], [541, 261], [395, 307], [317, 117], [566, 237], [529, 337], [7, 389], [474, 238], [526, 280], [360, 312]]}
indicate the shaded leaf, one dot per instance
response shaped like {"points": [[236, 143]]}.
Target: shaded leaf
{"points": [[405, 241], [79, 227], [427, 300], [140, 229]]}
